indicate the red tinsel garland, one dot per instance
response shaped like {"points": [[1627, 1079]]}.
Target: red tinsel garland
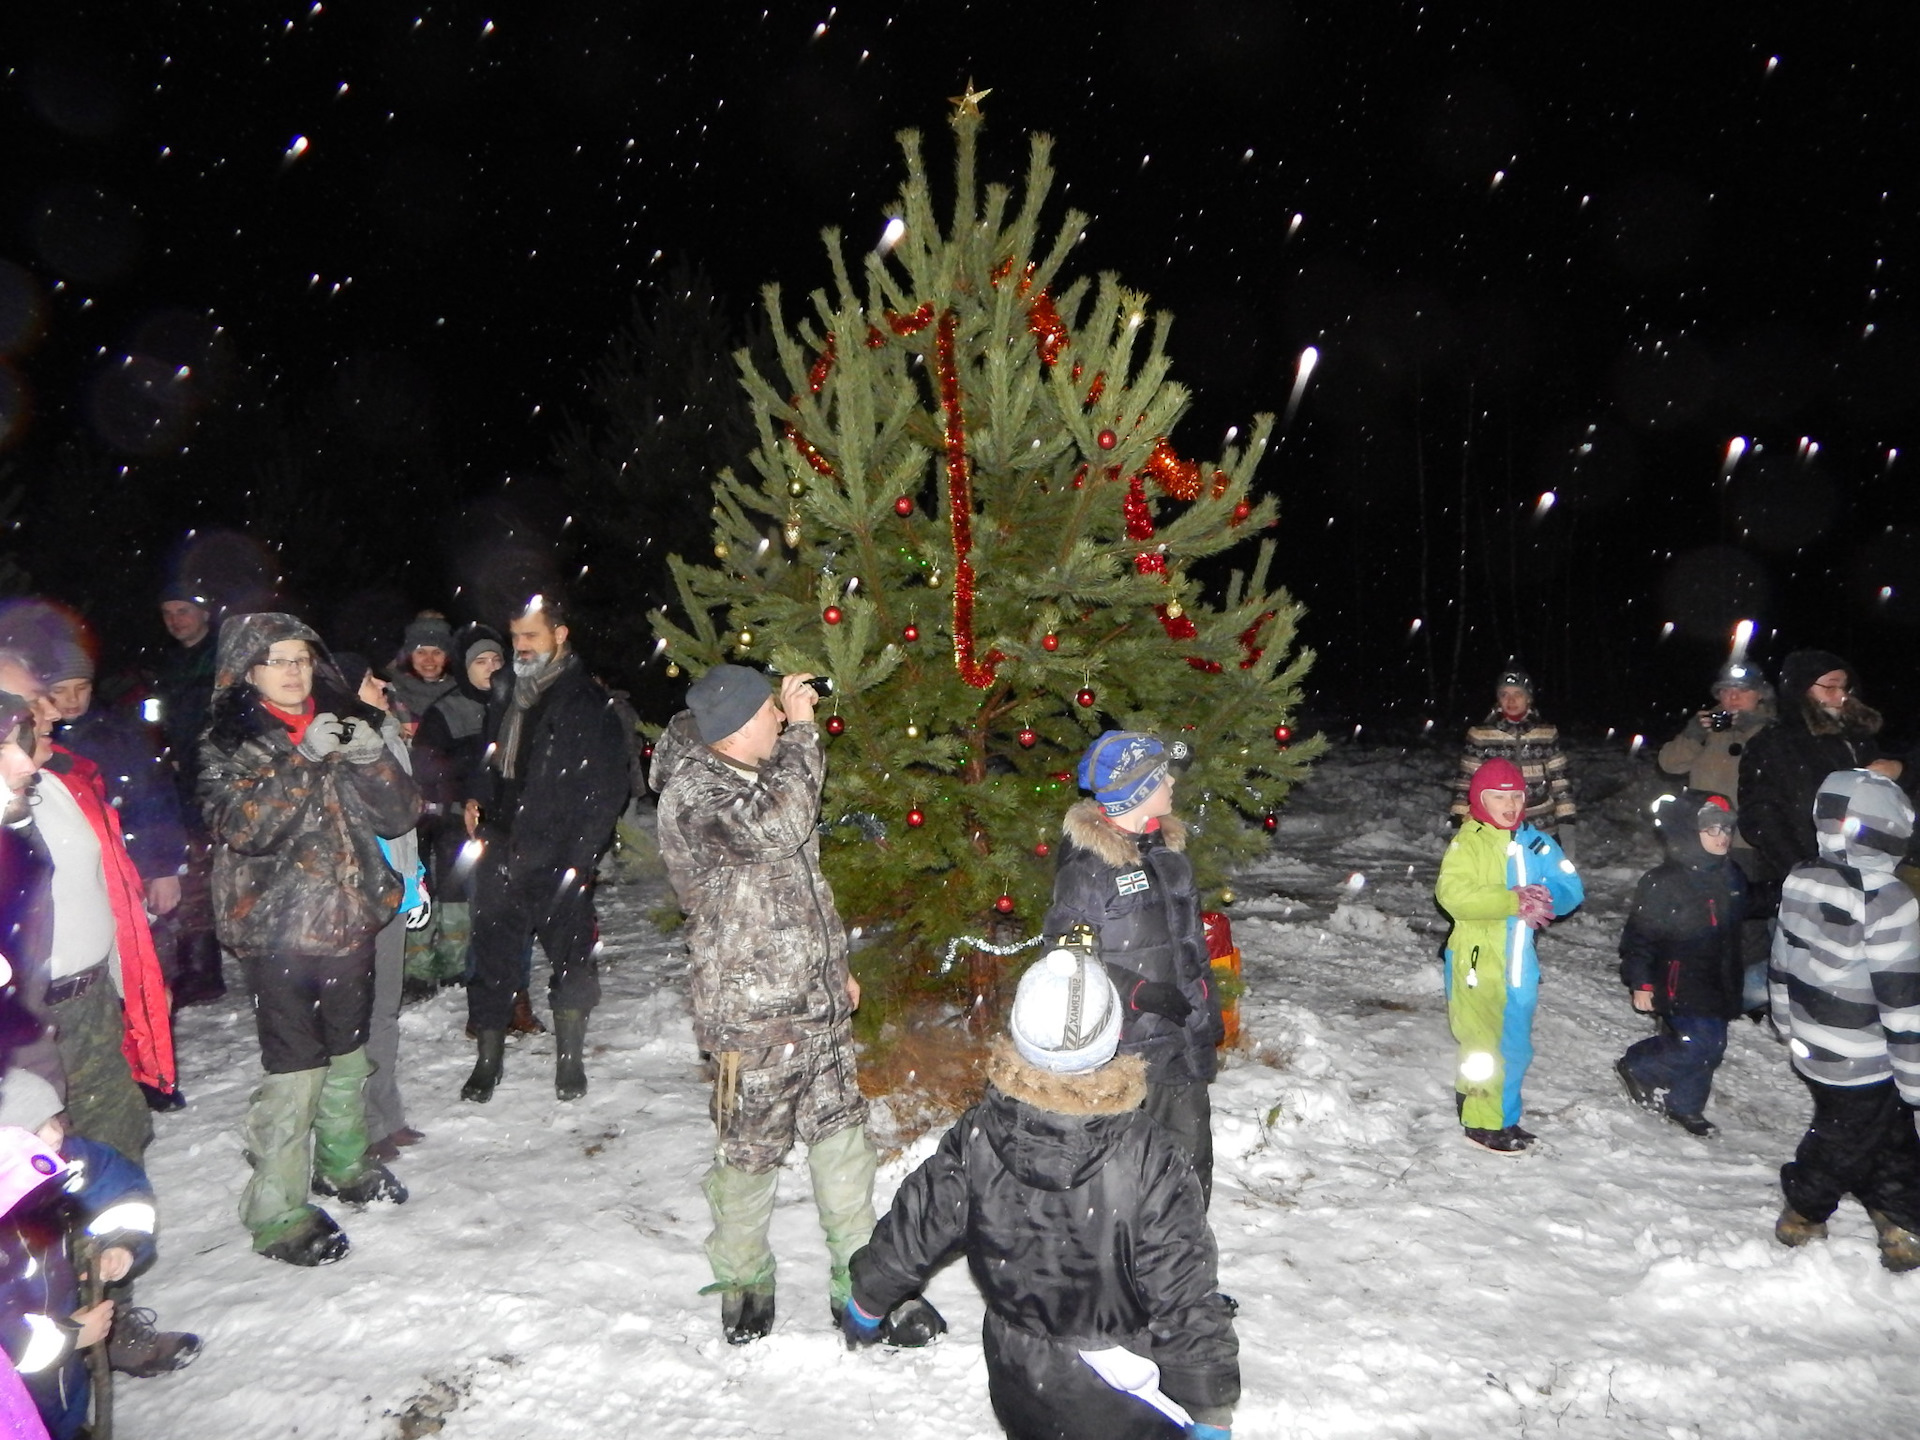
{"points": [[977, 673], [904, 325], [822, 366], [1179, 478], [1135, 508]]}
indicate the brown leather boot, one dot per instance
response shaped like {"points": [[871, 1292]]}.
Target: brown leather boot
{"points": [[1899, 1246], [524, 1021], [1793, 1228]]}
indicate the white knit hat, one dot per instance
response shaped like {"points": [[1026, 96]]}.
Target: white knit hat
{"points": [[27, 1100], [1066, 1014]]}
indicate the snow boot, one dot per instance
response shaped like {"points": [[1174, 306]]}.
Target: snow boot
{"points": [[375, 1182], [746, 1315], [524, 1021], [1899, 1247], [1793, 1228], [200, 980], [317, 1241], [486, 1068], [135, 1347], [1501, 1142], [1696, 1125], [569, 1054], [1638, 1091]]}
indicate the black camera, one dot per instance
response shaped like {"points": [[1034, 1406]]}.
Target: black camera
{"points": [[821, 685], [1720, 720]]}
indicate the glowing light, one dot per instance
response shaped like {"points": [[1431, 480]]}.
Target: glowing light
{"points": [[891, 236], [1736, 447], [1543, 504], [1414, 629], [1635, 747], [1309, 358], [1886, 593], [1773, 63], [1742, 633], [1666, 630], [1477, 1067], [1356, 882], [298, 148], [1293, 228], [1498, 176]]}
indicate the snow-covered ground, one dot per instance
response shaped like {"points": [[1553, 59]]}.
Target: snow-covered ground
{"points": [[1620, 1280]]}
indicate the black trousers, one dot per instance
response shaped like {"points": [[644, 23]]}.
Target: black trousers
{"points": [[553, 907], [1186, 1113], [1861, 1143], [309, 1008]]}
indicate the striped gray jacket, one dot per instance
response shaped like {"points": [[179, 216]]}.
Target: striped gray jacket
{"points": [[1845, 976]]}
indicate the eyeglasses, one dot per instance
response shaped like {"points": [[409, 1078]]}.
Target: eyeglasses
{"points": [[298, 662]]}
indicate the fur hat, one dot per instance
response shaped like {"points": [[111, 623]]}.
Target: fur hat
{"points": [[725, 698], [27, 1100], [1066, 1014], [1122, 769], [25, 1166]]}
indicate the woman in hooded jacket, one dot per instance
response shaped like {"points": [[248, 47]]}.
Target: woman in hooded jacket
{"points": [[298, 788]]}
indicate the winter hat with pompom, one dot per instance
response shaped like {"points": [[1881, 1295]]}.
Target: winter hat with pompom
{"points": [[1122, 769], [1066, 1014], [1495, 774], [25, 1165]]}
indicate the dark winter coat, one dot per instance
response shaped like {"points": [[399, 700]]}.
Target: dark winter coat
{"points": [[1137, 893], [571, 777], [183, 682], [1682, 936], [26, 931], [446, 762], [1083, 1226], [767, 951], [1534, 745], [297, 866], [1784, 765], [140, 785]]}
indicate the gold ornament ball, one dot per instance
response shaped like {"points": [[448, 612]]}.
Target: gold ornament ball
{"points": [[720, 551], [746, 639], [792, 536], [796, 488], [1226, 897], [913, 732], [673, 671], [1175, 609]]}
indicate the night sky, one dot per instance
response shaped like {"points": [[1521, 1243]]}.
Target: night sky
{"points": [[1539, 257]]}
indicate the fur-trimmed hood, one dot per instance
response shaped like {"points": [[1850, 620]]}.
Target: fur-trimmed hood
{"points": [[1087, 826], [1053, 1131]]}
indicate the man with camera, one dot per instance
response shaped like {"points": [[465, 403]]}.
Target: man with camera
{"points": [[1706, 753], [773, 1000], [553, 780]]}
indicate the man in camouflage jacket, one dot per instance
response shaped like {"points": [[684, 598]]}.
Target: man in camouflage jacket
{"points": [[772, 997], [297, 787]]}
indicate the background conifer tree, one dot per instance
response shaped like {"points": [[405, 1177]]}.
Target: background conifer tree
{"points": [[966, 509]]}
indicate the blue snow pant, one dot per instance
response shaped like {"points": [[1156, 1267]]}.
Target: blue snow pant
{"points": [[1681, 1060]]}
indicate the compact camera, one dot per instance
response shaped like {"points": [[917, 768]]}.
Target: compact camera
{"points": [[1721, 720], [821, 684]]}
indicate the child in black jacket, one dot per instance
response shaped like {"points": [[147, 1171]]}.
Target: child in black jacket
{"points": [[1680, 959]]}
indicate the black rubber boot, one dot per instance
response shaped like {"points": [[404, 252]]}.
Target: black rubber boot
{"points": [[200, 979], [319, 1242], [569, 1054], [746, 1315], [486, 1068]]}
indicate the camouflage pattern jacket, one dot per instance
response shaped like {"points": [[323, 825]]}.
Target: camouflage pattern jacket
{"points": [[768, 952], [297, 867]]}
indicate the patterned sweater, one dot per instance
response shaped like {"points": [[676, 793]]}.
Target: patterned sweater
{"points": [[1845, 976], [1533, 745]]}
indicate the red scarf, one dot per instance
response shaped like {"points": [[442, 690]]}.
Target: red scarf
{"points": [[147, 1038], [295, 721]]}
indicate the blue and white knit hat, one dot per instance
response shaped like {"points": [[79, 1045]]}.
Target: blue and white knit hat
{"points": [[1122, 768]]}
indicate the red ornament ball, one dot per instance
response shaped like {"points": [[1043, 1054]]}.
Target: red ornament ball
{"points": [[1049, 642], [910, 634], [835, 725], [1028, 737], [1085, 699], [1004, 904], [831, 614], [1270, 824], [647, 750], [1241, 512], [1106, 439], [1282, 733], [1043, 849], [1061, 776], [915, 819], [903, 507]]}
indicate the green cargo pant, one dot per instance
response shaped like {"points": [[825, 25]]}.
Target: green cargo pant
{"points": [[842, 1167], [438, 954], [103, 1103], [300, 1123]]}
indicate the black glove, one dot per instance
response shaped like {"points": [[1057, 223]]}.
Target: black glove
{"points": [[1162, 999]]}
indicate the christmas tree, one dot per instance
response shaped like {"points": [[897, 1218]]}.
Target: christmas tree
{"points": [[967, 511]]}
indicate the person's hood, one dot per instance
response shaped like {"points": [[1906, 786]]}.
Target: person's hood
{"points": [[678, 747], [1055, 1131], [246, 639], [1087, 826], [1676, 819], [1862, 820], [1800, 669]]}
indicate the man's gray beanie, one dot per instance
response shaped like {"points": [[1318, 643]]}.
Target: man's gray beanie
{"points": [[725, 698]]}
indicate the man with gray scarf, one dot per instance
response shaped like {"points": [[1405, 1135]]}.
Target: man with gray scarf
{"points": [[543, 805]]}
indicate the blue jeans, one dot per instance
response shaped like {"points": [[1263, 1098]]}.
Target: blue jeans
{"points": [[1681, 1060]]}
